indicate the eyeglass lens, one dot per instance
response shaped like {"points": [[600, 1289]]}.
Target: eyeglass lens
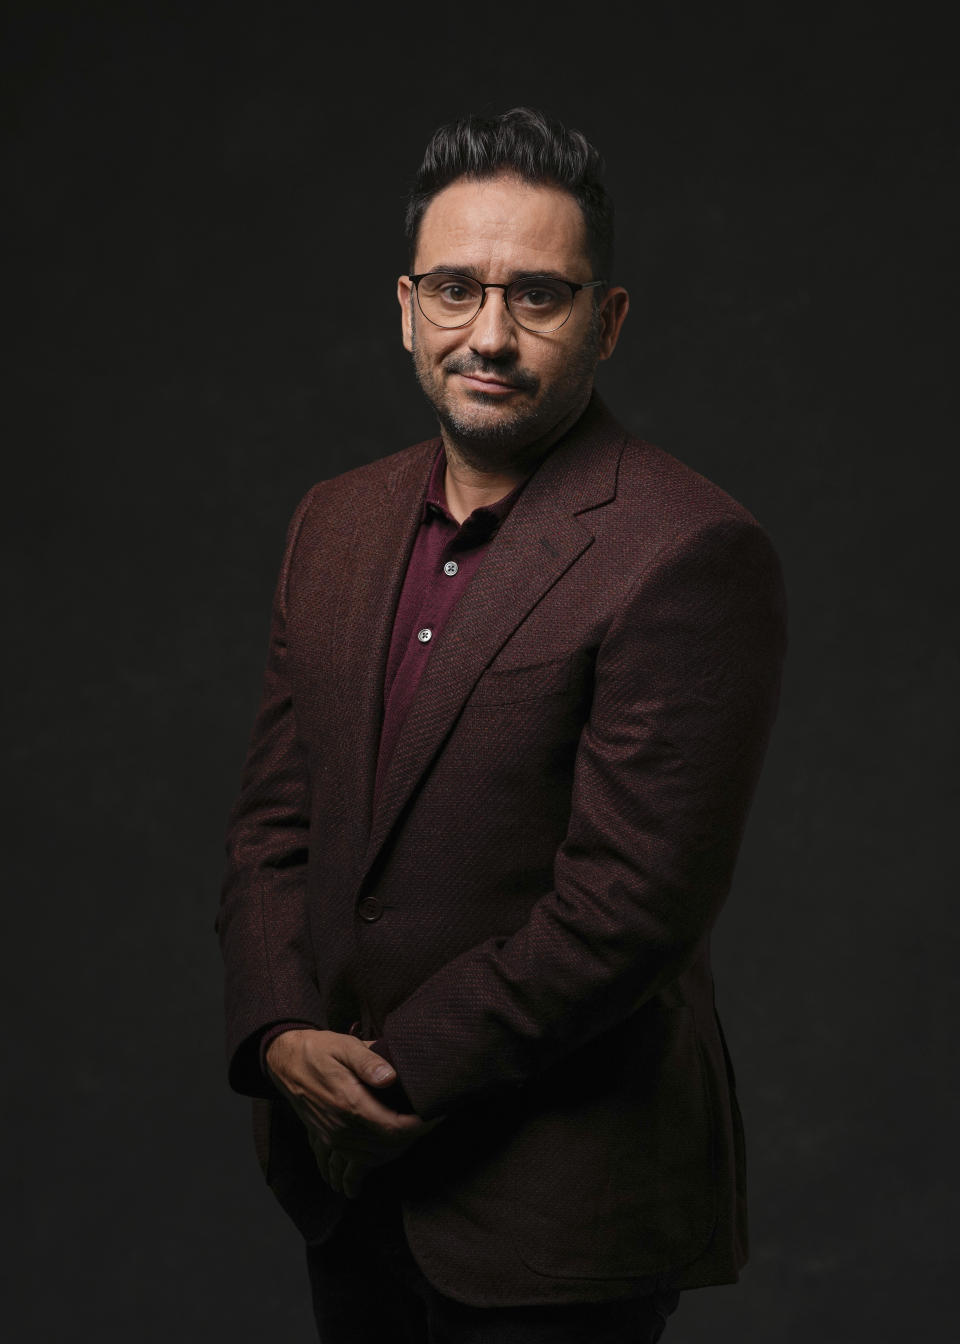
{"points": [[539, 304]]}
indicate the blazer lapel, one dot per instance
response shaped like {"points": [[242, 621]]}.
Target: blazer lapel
{"points": [[374, 565], [539, 540]]}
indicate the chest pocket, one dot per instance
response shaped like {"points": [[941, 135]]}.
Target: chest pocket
{"points": [[512, 685]]}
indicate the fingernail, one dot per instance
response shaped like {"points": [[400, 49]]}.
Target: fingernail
{"points": [[381, 1073]]}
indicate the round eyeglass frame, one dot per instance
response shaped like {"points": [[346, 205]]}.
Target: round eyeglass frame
{"points": [[573, 285]]}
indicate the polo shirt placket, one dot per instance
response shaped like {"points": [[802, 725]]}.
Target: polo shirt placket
{"points": [[445, 557]]}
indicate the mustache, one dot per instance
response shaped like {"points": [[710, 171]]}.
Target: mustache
{"points": [[492, 368]]}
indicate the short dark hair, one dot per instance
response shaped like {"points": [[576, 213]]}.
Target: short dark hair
{"points": [[524, 142]]}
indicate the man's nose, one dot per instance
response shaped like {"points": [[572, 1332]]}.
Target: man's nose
{"points": [[493, 331]]}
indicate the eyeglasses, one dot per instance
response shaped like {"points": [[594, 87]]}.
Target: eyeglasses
{"points": [[539, 303]]}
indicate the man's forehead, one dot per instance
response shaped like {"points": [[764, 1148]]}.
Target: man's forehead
{"points": [[527, 224]]}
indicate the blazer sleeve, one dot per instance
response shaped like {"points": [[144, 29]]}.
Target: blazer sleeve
{"points": [[262, 921], [686, 687]]}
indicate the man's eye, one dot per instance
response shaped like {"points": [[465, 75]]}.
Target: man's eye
{"points": [[454, 293], [537, 296]]}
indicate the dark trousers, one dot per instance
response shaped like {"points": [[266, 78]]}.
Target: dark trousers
{"points": [[367, 1286]]}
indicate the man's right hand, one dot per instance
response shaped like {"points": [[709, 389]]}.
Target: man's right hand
{"points": [[326, 1076]]}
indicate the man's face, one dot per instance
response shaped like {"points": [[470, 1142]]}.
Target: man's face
{"points": [[493, 384]]}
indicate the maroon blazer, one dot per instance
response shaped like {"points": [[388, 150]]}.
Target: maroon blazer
{"points": [[524, 918]]}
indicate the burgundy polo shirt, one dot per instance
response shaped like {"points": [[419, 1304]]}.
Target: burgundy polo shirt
{"points": [[445, 556]]}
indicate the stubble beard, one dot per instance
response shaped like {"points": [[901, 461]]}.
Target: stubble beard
{"points": [[514, 433]]}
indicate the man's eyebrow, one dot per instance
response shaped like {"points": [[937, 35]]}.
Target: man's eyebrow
{"points": [[448, 268], [473, 273]]}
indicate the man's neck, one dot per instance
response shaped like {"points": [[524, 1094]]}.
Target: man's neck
{"points": [[474, 480]]}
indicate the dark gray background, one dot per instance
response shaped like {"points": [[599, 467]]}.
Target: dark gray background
{"points": [[206, 206]]}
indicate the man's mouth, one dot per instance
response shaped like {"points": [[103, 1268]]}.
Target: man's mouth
{"points": [[484, 382], [487, 384]]}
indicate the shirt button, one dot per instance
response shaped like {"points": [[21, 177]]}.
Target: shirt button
{"points": [[369, 909], [425, 635], [450, 568]]}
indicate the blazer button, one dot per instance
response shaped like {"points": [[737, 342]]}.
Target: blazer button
{"points": [[369, 909]]}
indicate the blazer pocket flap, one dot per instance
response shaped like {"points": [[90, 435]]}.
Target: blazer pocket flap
{"points": [[506, 685]]}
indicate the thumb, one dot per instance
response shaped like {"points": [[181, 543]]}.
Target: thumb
{"points": [[370, 1067]]}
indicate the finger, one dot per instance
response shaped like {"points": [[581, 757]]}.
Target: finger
{"points": [[368, 1066], [380, 1141], [354, 1109]]}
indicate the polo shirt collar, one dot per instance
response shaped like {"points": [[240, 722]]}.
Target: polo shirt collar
{"points": [[485, 519]]}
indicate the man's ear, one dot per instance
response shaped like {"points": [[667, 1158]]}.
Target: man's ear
{"points": [[613, 310], [405, 299]]}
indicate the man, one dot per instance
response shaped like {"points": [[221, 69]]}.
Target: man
{"points": [[520, 683]]}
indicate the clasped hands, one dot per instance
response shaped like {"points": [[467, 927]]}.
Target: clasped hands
{"points": [[327, 1077]]}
